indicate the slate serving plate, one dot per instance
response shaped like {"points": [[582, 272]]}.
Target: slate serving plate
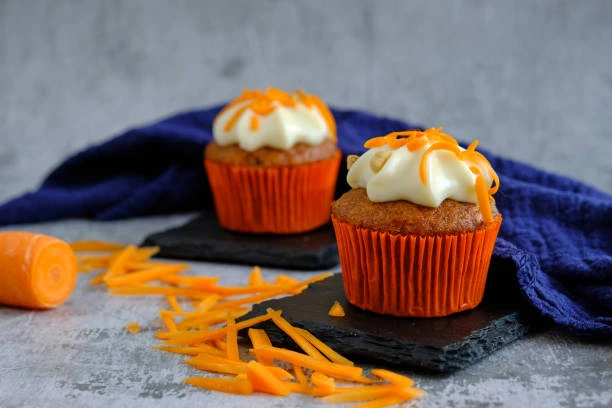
{"points": [[436, 344], [203, 239]]}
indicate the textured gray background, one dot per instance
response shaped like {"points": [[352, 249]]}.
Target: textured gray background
{"points": [[531, 80]]}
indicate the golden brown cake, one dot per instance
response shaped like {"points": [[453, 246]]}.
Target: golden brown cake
{"points": [[274, 162], [416, 233]]}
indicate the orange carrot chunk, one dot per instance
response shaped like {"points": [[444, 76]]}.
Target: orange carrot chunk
{"points": [[336, 310], [264, 381], [95, 246], [132, 327], [240, 386], [36, 271]]}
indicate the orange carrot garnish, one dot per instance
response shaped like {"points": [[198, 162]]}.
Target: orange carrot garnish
{"points": [[37, 271]]}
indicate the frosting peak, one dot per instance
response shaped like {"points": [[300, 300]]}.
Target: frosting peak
{"points": [[274, 118], [424, 167]]}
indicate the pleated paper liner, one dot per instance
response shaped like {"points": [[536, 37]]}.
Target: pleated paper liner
{"points": [[418, 276], [280, 200]]}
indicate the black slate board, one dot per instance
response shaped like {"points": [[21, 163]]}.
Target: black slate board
{"points": [[203, 239], [433, 344]]}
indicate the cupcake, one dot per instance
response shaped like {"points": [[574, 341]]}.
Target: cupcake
{"points": [[416, 231], [274, 162]]}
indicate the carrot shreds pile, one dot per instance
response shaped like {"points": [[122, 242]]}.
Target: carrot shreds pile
{"points": [[202, 322]]}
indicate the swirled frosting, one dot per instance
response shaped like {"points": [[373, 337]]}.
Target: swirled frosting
{"points": [[425, 168], [274, 118]]}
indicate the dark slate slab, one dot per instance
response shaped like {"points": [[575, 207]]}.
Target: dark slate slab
{"points": [[435, 344], [203, 239]]}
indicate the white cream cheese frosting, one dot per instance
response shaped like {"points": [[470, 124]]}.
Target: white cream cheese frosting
{"points": [[424, 168], [274, 119]]}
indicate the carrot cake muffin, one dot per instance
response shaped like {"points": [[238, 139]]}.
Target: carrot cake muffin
{"points": [[274, 162], [416, 232]]}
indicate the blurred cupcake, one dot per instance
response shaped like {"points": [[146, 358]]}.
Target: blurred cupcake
{"points": [[274, 162], [416, 232]]}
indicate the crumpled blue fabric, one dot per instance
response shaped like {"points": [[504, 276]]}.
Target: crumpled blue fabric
{"points": [[557, 232]]}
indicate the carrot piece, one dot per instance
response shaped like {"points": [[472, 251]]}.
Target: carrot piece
{"points": [[326, 367], [95, 262], [95, 246], [380, 403], [299, 374], [216, 366], [143, 254], [354, 394], [190, 338], [209, 318], [392, 377], [197, 282], [232, 339], [222, 365], [191, 351], [174, 304], [323, 385], [330, 353], [336, 310], [117, 265], [168, 320], [144, 276], [373, 392], [132, 327], [276, 292], [264, 381], [153, 290], [36, 271], [255, 278], [240, 386], [207, 303], [291, 331], [260, 338], [299, 388], [221, 345]]}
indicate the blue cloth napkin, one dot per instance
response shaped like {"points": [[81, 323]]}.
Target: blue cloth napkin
{"points": [[556, 232]]}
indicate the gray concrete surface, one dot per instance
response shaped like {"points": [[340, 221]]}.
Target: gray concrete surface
{"points": [[531, 80]]}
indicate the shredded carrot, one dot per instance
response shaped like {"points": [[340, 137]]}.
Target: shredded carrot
{"points": [[323, 385], [264, 103], [263, 380], [326, 367], [174, 304], [254, 123], [194, 337], [392, 377], [168, 320], [132, 327], [336, 310], [255, 278], [324, 348], [260, 338], [191, 351], [208, 333], [232, 338], [296, 336], [434, 140], [95, 246], [240, 386]]}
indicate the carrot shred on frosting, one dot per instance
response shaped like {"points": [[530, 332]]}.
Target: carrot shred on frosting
{"points": [[203, 322], [434, 140]]}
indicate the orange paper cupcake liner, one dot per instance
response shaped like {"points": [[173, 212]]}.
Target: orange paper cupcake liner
{"points": [[280, 200], [410, 275]]}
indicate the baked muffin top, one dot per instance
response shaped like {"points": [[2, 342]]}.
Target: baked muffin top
{"points": [[274, 118], [298, 154], [425, 168], [404, 217]]}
